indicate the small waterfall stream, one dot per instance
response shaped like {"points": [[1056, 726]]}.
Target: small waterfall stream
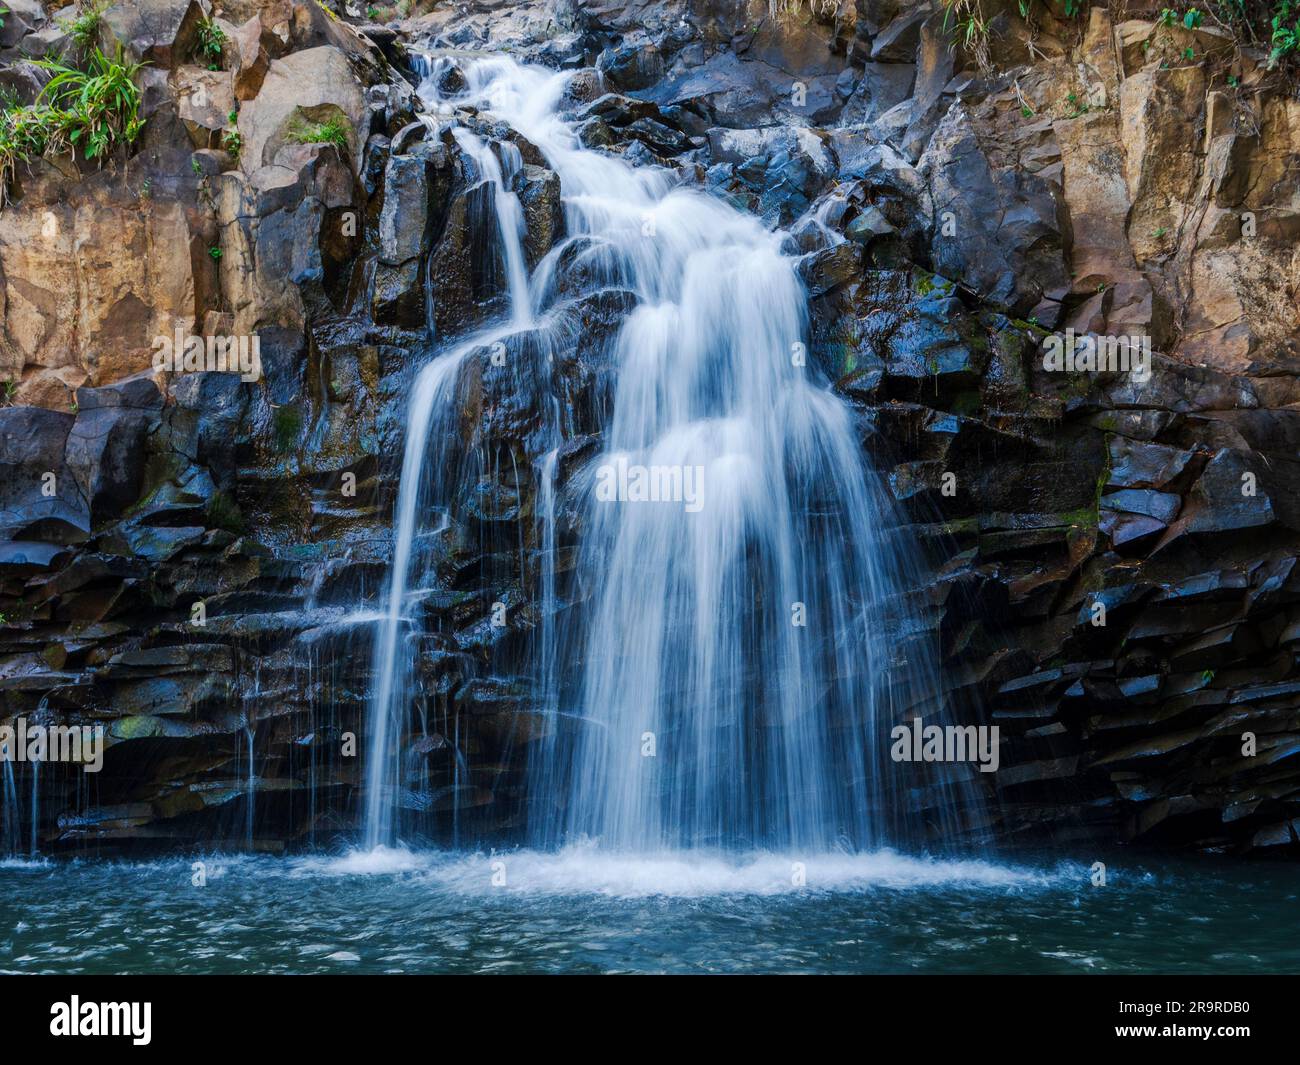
{"points": [[742, 646]]}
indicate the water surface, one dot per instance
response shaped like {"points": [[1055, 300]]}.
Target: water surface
{"points": [[586, 911]]}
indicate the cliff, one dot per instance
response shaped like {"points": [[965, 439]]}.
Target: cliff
{"points": [[185, 554]]}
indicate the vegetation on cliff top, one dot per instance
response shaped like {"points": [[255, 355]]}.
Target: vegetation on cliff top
{"points": [[1271, 23], [90, 109]]}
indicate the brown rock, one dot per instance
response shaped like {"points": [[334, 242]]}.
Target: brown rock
{"points": [[311, 86], [204, 100], [252, 57]]}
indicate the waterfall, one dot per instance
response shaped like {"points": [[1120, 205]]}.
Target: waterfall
{"points": [[431, 412], [10, 840], [250, 788], [744, 639], [33, 847]]}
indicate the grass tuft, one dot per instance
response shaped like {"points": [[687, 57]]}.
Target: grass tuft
{"points": [[92, 110]]}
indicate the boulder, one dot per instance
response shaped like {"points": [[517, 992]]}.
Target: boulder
{"points": [[36, 494], [253, 46], [161, 32], [1005, 243], [415, 190], [1228, 497], [106, 450], [543, 211], [204, 102], [300, 90]]}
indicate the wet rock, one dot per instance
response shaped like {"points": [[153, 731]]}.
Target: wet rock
{"points": [[631, 67], [543, 211], [35, 491], [1227, 497], [1161, 506], [1006, 243], [1135, 464], [415, 188], [106, 450]]}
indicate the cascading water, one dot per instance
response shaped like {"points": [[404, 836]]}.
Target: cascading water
{"points": [[734, 654]]}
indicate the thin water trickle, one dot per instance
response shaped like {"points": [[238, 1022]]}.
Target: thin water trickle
{"points": [[9, 838]]}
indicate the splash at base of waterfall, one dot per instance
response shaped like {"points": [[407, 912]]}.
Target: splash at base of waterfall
{"points": [[588, 869]]}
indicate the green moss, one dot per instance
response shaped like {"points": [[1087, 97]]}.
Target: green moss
{"points": [[1084, 517], [224, 513], [925, 283], [286, 424]]}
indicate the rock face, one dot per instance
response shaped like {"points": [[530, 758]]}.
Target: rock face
{"points": [[187, 557]]}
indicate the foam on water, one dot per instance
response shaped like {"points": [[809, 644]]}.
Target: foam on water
{"points": [[585, 869]]}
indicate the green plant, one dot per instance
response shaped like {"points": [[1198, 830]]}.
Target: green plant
{"points": [[7, 391], [232, 142], [214, 253], [25, 133], [969, 28], [91, 109], [331, 131], [1285, 38], [84, 27], [1192, 19], [210, 43], [97, 107]]}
